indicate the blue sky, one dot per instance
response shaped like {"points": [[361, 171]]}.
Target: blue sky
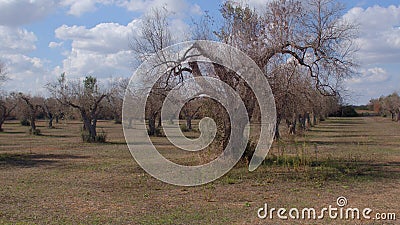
{"points": [[39, 39]]}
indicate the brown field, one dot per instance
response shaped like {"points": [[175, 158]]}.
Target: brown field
{"points": [[56, 179]]}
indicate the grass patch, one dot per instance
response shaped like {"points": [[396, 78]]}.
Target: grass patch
{"points": [[56, 179]]}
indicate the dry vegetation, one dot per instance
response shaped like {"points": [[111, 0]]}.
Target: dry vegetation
{"points": [[54, 178]]}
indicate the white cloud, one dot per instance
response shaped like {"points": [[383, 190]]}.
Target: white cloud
{"points": [[379, 39], [102, 51], [179, 7], [16, 40], [196, 10], [103, 38], [27, 74], [372, 75], [55, 44], [79, 7], [20, 12], [371, 83]]}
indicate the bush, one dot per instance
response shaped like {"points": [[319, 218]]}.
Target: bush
{"points": [[346, 111], [25, 122], [34, 132], [184, 128], [101, 137], [158, 132]]}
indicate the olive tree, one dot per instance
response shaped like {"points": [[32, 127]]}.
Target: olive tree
{"points": [[8, 103], [34, 106], [84, 96]]}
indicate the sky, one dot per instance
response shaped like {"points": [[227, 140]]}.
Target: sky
{"points": [[40, 39]]}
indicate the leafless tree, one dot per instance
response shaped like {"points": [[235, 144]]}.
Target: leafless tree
{"points": [[155, 35], [311, 35], [34, 107], [310, 32], [53, 110], [116, 97], [190, 110], [8, 104], [83, 96]]}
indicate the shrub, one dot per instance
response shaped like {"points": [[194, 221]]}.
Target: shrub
{"points": [[34, 132], [101, 137], [25, 122], [158, 132], [184, 128]]}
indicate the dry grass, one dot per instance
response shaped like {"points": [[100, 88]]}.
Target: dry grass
{"points": [[56, 179]]}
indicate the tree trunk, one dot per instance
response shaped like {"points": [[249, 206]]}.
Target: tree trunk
{"points": [[117, 119], [51, 122], [307, 121], [152, 125], [277, 133], [51, 118], [292, 125], [159, 121], [189, 123], [302, 122], [2, 120], [33, 126], [398, 116], [315, 119], [89, 128], [92, 131]]}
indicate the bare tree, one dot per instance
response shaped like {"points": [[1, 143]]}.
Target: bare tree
{"points": [[311, 34], [34, 106], [155, 35], [116, 97], [8, 103], [190, 110], [53, 110], [83, 96]]}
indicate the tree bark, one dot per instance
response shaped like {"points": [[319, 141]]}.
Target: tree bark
{"points": [[159, 121], [152, 125], [277, 132], [33, 125], [2, 120], [189, 123], [89, 128]]}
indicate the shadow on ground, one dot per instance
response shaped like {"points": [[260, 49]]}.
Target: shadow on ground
{"points": [[32, 160]]}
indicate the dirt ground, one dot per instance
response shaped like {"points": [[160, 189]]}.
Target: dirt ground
{"points": [[54, 178]]}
